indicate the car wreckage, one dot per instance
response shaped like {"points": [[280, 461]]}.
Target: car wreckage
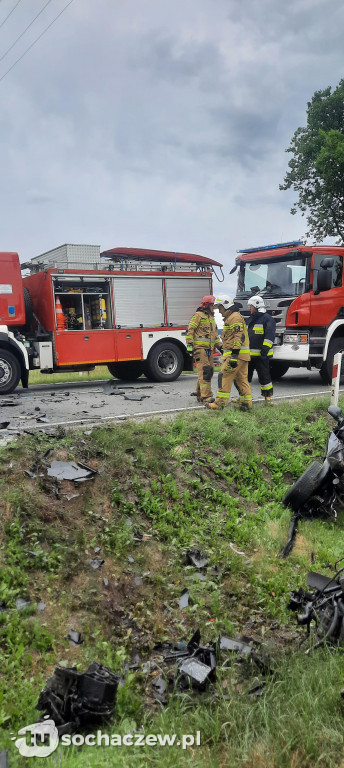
{"points": [[319, 492]]}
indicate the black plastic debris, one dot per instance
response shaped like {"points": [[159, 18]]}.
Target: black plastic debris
{"points": [[96, 562], [323, 606], [74, 698], [75, 638], [69, 470], [197, 663], [195, 557], [184, 599], [8, 404], [4, 424], [110, 388]]}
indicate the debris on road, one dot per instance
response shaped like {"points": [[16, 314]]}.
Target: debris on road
{"points": [[133, 396]]}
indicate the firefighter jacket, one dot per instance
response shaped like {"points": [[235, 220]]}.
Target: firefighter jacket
{"points": [[261, 333], [202, 332], [235, 337]]}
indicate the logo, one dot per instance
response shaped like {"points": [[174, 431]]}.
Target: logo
{"points": [[38, 739]]}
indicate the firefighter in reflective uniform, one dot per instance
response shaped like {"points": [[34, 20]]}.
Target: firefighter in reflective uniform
{"points": [[201, 339], [261, 333], [236, 357]]}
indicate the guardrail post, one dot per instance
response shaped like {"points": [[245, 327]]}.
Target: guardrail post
{"points": [[336, 371]]}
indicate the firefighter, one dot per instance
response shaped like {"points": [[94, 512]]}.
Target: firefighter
{"points": [[261, 333], [201, 338], [236, 357]]}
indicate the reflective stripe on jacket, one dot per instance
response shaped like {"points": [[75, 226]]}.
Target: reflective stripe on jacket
{"points": [[202, 331], [261, 332], [234, 336]]}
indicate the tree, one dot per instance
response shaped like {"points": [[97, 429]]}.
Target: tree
{"points": [[316, 169]]}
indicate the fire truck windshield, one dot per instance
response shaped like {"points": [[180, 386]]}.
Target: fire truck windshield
{"points": [[274, 278]]}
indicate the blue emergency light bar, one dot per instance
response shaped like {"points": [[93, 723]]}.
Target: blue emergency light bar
{"points": [[292, 244]]}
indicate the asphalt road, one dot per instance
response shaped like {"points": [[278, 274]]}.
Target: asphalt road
{"points": [[45, 406]]}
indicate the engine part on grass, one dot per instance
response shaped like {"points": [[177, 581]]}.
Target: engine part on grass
{"points": [[324, 606], [320, 489], [75, 698]]}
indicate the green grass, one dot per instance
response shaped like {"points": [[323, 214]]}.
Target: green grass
{"points": [[206, 480]]}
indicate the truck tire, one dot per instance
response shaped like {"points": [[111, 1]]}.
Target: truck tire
{"points": [[277, 369], [304, 487], [128, 371], [165, 362], [335, 345], [9, 372]]}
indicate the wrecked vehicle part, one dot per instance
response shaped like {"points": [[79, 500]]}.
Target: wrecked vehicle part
{"points": [[68, 470], [184, 599], [194, 671], [74, 698], [320, 489], [75, 638], [324, 606]]}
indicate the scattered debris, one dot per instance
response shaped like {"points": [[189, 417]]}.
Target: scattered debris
{"points": [[69, 470], [195, 557], [106, 582], [41, 606], [74, 698], [110, 388], [236, 646], [138, 581], [201, 576], [237, 551], [96, 562], [75, 638], [21, 603], [4, 424], [184, 599], [70, 496], [133, 396]]}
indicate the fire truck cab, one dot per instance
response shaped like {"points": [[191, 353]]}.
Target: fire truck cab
{"points": [[303, 290], [75, 308]]}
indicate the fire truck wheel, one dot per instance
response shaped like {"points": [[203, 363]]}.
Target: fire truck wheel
{"points": [[165, 362], [127, 371], [335, 345], [9, 372], [278, 369], [304, 487]]}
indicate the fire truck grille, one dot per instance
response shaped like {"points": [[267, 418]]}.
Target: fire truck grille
{"points": [[276, 307]]}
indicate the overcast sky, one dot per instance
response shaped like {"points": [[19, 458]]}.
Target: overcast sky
{"points": [[157, 123]]}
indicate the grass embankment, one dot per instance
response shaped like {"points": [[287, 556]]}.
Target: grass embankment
{"points": [[201, 480]]}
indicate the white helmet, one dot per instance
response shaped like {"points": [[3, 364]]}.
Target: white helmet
{"points": [[224, 301], [258, 303]]}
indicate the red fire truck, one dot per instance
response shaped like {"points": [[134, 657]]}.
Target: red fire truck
{"points": [[75, 308], [302, 287]]}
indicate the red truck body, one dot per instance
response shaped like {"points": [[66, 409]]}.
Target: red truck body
{"points": [[129, 310], [302, 287]]}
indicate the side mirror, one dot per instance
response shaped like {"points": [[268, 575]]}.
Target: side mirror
{"points": [[335, 412], [324, 279]]}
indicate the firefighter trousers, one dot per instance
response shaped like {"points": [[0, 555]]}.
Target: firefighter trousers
{"points": [[262, 366], [204, 361], [227, 377]]}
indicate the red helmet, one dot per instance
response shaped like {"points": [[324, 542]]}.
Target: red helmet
{"points": [[206, 301]]}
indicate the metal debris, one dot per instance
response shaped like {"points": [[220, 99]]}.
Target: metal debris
{"points": [[96, 562], [74, 698]]}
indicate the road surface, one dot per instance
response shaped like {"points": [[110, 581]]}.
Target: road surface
{"points": [[46, 406]]}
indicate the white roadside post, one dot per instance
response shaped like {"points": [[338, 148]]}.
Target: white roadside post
{"points": [[336, 370]]}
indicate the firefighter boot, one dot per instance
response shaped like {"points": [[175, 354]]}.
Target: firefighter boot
{"points": [[269, 401], [213, 406]]}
